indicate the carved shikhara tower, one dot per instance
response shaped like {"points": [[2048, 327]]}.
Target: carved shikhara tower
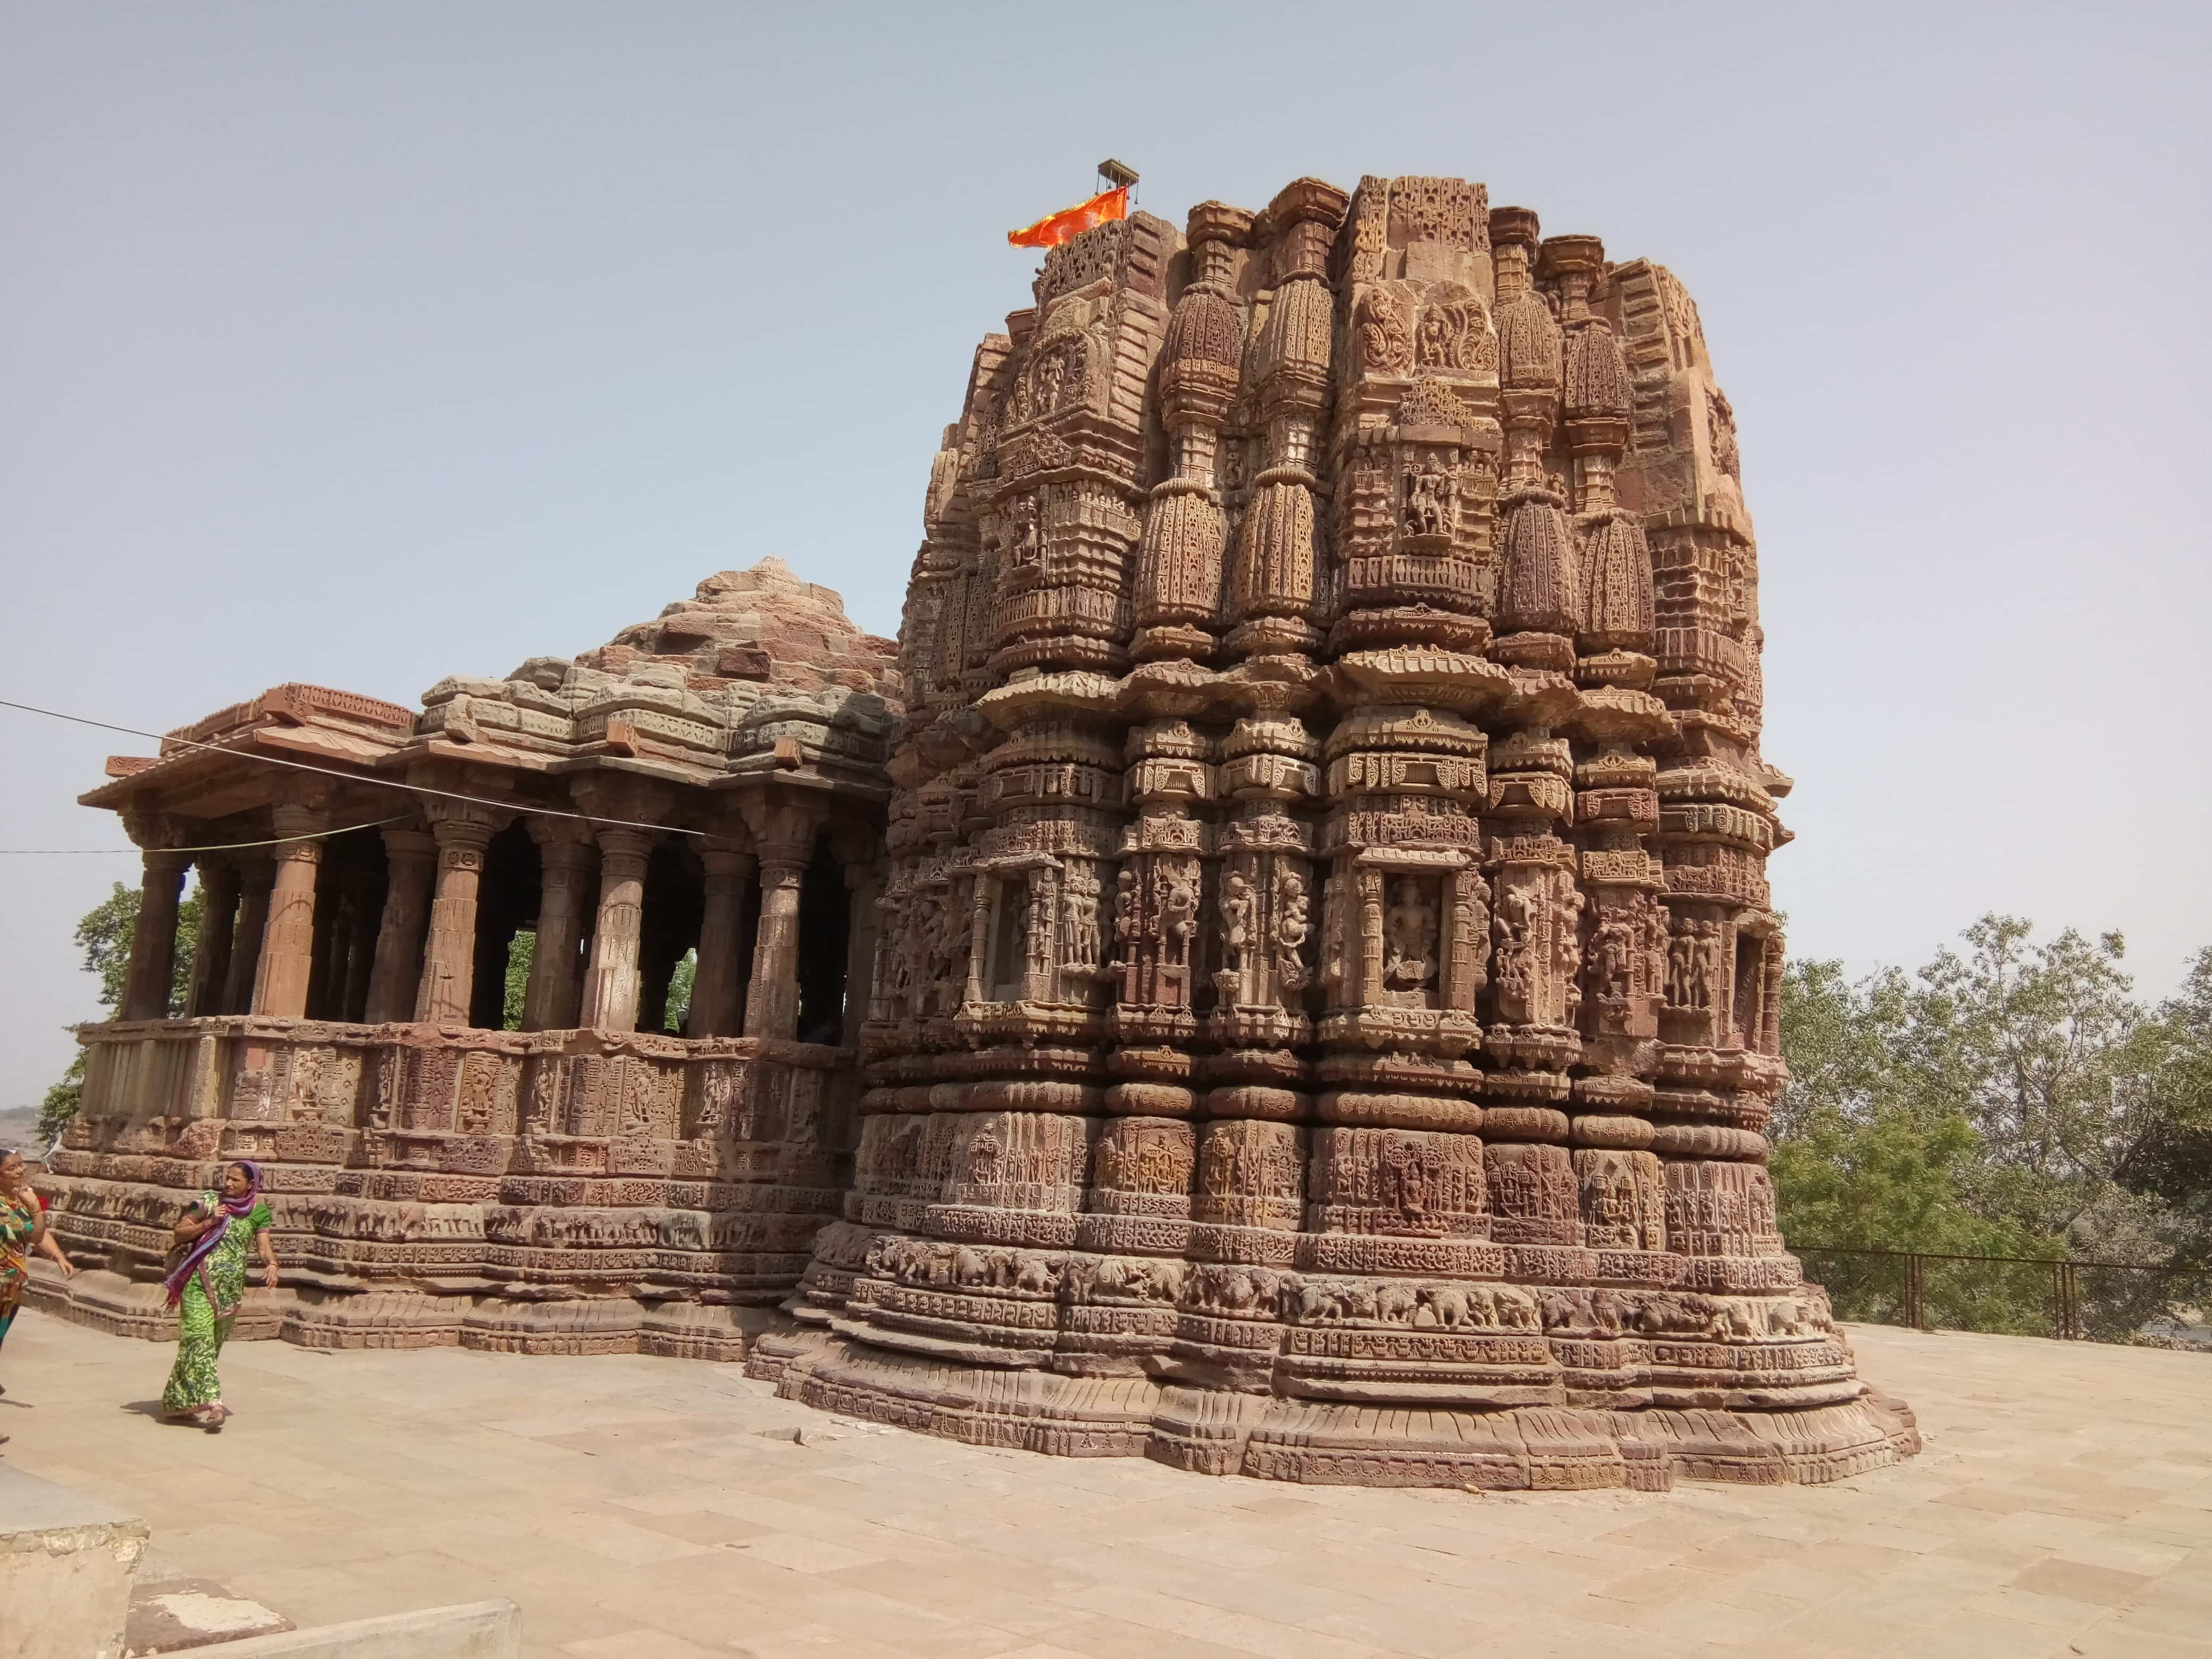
{"points": [[1325, 1016]]}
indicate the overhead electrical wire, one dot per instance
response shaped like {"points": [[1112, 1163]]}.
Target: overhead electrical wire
{"points": [[219, 847], [327, 771]]}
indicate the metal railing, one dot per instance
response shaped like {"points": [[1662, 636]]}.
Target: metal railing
{"points": [[2023, 1296]]}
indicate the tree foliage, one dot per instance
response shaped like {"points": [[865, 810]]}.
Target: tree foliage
{"points": [[2011, 1098]]}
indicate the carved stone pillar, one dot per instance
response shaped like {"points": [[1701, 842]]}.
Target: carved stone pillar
{"points": [[564, 849], [865, 882], [449, 956], [397, 972], [256, 871], [219, 885], [783, 830], [611, 988], [154, 941], [772, 1003], [714, 987], [362, 926], [288, 942]]}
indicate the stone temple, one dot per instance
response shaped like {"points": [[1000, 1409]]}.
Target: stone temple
{"points": [[1279, 977], [591, 1181]]}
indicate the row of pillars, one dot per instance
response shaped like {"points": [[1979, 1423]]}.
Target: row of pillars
{"points": [[256, 951]]}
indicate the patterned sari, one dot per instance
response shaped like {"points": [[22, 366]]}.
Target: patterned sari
{"points": [[207, 1307], [19, 1225]]}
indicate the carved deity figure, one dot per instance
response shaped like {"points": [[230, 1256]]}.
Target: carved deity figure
{"points": [[1681, 951], [1236, 921], [1516, 918], [1613, 955], [1179, 915], [1650, 943], [1693, 965], [1050, 373], [1291, 927], [1725, 454], [1078, 914], [1409, 937], [1567, 951], [1429, 501], [983, 1158], [1126, 905], [1446, 336], [1028, 546], [1709, 976], [1385, 347]]}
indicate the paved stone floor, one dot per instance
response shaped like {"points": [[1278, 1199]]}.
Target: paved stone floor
{"points": [[660, 1509]]}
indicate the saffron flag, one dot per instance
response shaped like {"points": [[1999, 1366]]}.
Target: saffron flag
{"points": [[1070, 223]]}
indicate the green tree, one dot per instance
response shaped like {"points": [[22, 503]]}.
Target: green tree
{"points": [[2012, 1098], [103, 936], [519, 953], [2172, 1160], [680, 991]]}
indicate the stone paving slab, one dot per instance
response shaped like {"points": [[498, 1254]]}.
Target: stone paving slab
{"points": [[659, 1509]]}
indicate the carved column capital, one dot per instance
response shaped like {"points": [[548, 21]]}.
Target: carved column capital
{"points": [[622, 795], [298, 830], [408, 846], [151, 832], [624, 847], [725, 863], [462, 823], [784, 826]]}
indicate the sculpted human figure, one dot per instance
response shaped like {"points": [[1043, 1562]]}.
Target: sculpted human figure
{"points": [[1050, 374], [1384, 344], [1710, 972], [1515, 916], [1433, 345], [1682, 970], [1125, 914], [1410, 936], [1291, 927], [1027, 546], [1236, 921], [1567, 950], [1517, 985], [1180, 909], [1079, 928], [1428, 501], [1616, 943]]}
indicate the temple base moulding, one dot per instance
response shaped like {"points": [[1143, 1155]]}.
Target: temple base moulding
{"points": [[407, 1317], [1217, 1431]]}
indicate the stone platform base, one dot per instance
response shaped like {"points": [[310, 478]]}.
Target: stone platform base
{"points": [[66, 1563], [416, 1318], [1212, 1432]]}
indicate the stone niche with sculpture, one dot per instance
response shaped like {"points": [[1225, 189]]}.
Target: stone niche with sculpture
{"points": [[592, 1167], [1325, 1015]]}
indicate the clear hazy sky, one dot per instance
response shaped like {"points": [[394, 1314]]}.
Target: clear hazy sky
{"points": [[364, 344]]}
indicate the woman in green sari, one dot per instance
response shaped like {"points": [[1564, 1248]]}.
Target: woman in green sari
{"points": [[23, 1230], [206, 1285]]}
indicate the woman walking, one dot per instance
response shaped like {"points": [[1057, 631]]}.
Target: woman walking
{"points": [[23, 1230], [206, 1284]]}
